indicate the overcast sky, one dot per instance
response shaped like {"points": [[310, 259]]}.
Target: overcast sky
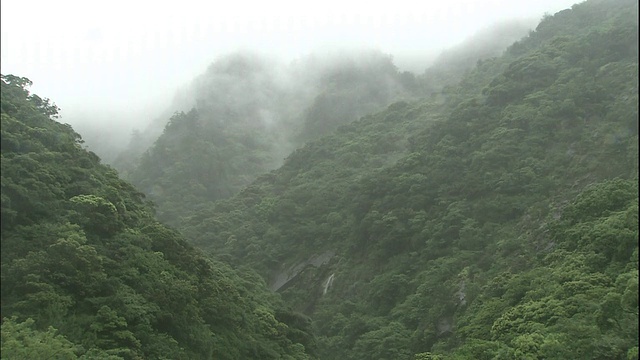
{"points": [[128, 55]]}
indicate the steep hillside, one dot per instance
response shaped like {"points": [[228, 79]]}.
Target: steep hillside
{"points": [[498, 220], [247, 114], [87, 272], [452, 64]]}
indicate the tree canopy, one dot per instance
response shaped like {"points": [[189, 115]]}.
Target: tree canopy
{"points": [[494, 218], [88, 273]]}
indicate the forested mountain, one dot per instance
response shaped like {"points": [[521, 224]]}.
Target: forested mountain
{"points": [[87, 272], [247, 114], [491, 218], [452, 64], [495, 220]]}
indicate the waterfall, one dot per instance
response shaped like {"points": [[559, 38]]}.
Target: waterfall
{"points": [[327, 284]]}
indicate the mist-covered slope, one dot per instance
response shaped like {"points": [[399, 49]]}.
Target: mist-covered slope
{"points": [[248, 113], [500, 223], [251, 111], [452, 64], [87, 272]]}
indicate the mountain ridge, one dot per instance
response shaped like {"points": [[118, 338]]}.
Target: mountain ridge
{"points": [[475, 181]]}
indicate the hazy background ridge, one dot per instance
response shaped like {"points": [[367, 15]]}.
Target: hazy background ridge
{"points": [[117, 66]]}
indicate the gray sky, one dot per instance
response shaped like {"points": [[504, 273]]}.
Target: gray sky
{"points": [[130, 56]]}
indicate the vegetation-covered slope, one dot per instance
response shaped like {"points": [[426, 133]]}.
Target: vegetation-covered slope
{"points": [[501, 223], [247, 113], [87, 272]]}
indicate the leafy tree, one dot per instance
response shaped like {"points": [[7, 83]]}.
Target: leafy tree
{"points": [[83, 254], [496, 219], [21, 341]]}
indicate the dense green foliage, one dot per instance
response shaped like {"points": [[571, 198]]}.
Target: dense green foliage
{"points": [[494, 221], [87, 272], [248, 114]]}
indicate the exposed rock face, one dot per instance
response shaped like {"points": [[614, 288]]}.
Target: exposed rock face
{"points": [[316, 260]]}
